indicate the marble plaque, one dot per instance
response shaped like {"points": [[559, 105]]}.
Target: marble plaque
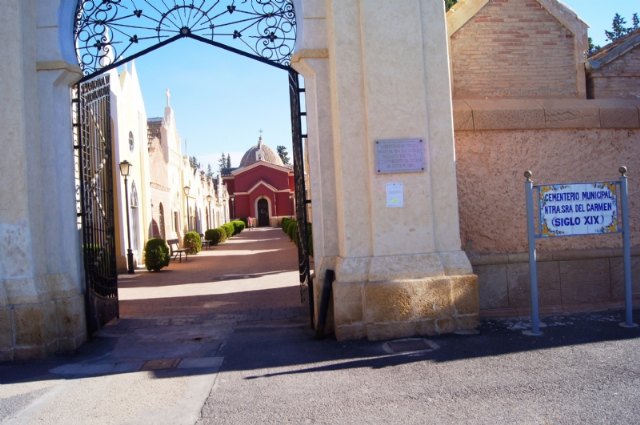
{"points": [[400, 156]]}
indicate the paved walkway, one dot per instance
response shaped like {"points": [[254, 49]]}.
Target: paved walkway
{"points": [[253, 274], [210, 348]]}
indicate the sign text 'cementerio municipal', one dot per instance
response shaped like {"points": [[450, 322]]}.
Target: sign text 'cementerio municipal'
{"points": [[578, 209]]}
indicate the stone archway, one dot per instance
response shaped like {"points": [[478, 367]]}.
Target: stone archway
{"points": [[355, 94], [108, 34]]}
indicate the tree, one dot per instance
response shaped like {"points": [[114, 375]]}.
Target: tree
{"points": [[592, 47], [618, 28], [229, 160], [209, 171], [283, 154], [449, 3], [193, 161], [222, 162]]}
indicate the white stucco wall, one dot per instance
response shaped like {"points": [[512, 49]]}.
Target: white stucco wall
{"points": [[41, 301]]}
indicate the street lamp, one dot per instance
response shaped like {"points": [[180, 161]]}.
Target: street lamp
{"points": [[293, 208], [233, 207], [124, 171], [186, 192], [209, 197]]}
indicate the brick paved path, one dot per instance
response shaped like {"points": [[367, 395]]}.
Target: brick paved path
{"points": [[253, 274]]}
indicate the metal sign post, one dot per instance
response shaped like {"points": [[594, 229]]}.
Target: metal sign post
{"points": [[626, 243], [533, 265], [577, 209]]}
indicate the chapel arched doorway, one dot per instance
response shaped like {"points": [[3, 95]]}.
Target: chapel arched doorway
{"points": [[263, 213], [107, 35]]}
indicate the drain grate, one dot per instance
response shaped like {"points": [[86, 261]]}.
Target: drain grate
{"points": [[160, 364], [410, 345]]}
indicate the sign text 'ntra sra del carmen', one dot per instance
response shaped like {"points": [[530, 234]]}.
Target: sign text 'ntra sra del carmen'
{"points": [[578, 209]]}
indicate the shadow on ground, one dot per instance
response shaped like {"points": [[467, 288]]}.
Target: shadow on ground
{"points": [[258, 346]]}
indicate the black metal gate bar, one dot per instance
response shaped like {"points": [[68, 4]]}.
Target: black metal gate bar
{"points": [[94, 174], [297, 114]]}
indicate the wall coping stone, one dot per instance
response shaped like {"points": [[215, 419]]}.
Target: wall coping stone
{"points": [[565, 255], [538, 114], [310, 54]]}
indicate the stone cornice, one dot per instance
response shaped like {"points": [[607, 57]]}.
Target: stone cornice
{"points": [[310, 54], [484, 259], [536, 114], [159, 187], [461, 13], [58, 66]]}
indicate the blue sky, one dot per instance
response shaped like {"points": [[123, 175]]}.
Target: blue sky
{"points": [[222, 100]]}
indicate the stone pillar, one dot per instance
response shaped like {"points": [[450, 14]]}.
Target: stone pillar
{"points": [[399, 271], [41, 301], [312, 61]]}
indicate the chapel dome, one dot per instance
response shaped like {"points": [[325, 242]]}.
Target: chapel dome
{"points": [[260, 152]]}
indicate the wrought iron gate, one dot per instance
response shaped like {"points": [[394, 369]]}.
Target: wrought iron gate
{"points": [[298, 138], [110, 33], [93, 162]]}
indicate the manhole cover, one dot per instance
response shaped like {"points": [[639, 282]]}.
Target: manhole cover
{"points": [[160, 364], [410, 345]]}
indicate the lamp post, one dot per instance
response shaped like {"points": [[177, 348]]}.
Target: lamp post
{"points": [[124, 171], [293, 208], [186, 192], [209, 197], [233, 207]]}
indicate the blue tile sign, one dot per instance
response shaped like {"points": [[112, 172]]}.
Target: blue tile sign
{"points": [[578, 209]]}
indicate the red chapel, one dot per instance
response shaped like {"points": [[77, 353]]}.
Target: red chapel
{"points": [[262, 187]]}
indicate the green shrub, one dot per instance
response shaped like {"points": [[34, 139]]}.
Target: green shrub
{"points": [[156, 254], [245, 220], [238, 226], [229, 229], [223, 234], [290, 227], [192, 242], [213, 236], [292, 231]]}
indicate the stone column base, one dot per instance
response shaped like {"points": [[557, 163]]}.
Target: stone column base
{"points": [[39, 317], [403, 308]]}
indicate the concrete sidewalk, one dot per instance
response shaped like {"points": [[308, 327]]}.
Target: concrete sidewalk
{"points": [[216, 341]]}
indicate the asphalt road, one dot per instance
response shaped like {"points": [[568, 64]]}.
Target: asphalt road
{"points": [[585, 369], [223, 339]]}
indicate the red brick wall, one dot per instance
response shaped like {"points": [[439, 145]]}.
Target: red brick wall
{"points": [[513, 49]]}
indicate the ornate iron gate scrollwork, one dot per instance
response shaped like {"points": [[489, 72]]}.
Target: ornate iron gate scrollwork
{"points": [[94, 174], [111, 32]]}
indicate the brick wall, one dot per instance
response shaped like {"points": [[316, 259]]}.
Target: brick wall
{"points": [[513, 49], [575, 273], [619, 78]]}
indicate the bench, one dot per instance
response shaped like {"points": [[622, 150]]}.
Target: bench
{"points": [[205, 243], [175, 250]]}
